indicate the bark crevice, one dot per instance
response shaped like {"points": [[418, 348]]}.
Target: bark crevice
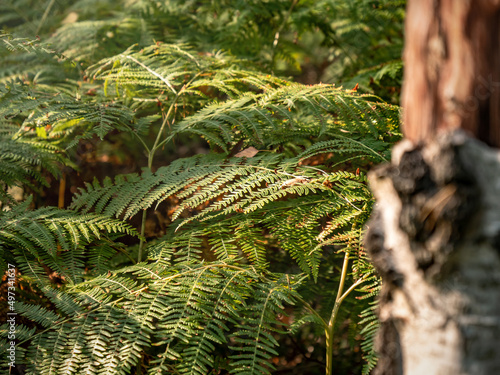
{"points": [[434, 238]]}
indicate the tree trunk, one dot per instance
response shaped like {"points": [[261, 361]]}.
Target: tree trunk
{"points": [[434, 235], [452, 69]]}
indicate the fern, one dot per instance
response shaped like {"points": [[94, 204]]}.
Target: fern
{"points": [[21, 160], [57, 238], [219, 292], [267, 223], [370, 326]]}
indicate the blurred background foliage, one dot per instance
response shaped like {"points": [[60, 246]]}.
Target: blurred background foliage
{"points": [[344, 42]]}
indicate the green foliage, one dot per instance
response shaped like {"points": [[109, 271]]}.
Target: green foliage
{"points": [[370, 34], [58, 239], [162, 314], [261, 227], [342, 42], [21, 158]]}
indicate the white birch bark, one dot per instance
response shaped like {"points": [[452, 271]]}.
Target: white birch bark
{"points": [[435, 238]]}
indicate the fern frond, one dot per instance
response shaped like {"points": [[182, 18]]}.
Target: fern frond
{"points": [[22, 161], [57, 238], [264, 119], [13, 43], [370, 325], [186, 309], [254, 337], [217, 187], [175, 68], [209, 296]]}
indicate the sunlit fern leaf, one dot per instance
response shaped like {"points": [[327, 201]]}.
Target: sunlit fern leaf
{"points": [[99, 117], [56, 238], [169, 67], [171, 313], [292, 109]]}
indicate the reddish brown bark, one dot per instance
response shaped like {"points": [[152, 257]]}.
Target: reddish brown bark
{"points": [[452, 69]]}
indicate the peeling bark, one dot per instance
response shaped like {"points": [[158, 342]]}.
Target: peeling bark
{"points": [[435, 239], [435, 233]]}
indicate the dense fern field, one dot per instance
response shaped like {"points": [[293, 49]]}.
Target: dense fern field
{"points": [[175, 201]]}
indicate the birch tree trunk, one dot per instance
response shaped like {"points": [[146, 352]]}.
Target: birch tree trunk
{"points": [[434, 235]]}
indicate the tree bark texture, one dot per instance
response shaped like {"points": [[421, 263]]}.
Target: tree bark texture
{"points": [[435, 238], [452, 69], [434, 235]]}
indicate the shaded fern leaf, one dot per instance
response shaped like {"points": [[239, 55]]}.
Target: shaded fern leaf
{"points": [[22, 161], [370, 325], [102, 117], [38, 314], [254, 338]]}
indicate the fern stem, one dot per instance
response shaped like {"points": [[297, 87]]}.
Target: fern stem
{"points": [[163, 79], [62, 189], [277, 35], [145, 212], [152, 151], [338, 301], [44, 17], [124, 252], [143, 240], [157, 143], [151, 155], [141, 140], [365, 146], [353, 286], [333, 317], [165, 141], [162, 127]]}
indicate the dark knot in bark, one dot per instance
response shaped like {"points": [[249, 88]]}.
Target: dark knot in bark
{"points": [[438, 197]]}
